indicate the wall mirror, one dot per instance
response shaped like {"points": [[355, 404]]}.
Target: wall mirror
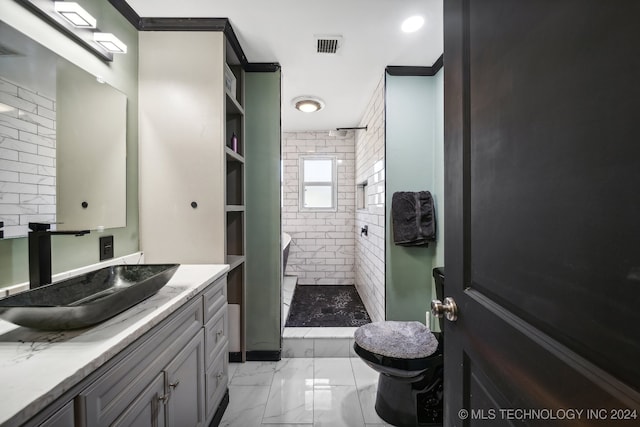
{"points": [[62, 142]]}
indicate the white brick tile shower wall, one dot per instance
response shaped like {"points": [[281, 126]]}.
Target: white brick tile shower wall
{"points": [[369, 256], [27, 158], [322, 243]]}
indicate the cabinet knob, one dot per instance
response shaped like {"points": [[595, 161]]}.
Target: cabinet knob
{"points": [[219, 333], [164, 398], [220, 375], [175, 384]]}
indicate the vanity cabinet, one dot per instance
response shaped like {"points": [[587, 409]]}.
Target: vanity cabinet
{"points": [[145, 411], [62, 418], [191, 144], [174, 375]]}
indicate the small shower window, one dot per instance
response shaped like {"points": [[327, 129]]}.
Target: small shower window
{"points": [[318, 183]]}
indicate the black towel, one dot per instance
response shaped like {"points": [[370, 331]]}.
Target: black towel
{"points": [[414, 219]]}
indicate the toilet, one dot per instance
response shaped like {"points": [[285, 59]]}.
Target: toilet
{"points": [[409, 358]]}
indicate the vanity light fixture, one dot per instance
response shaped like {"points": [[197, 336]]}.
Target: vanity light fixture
{"points": [[308, 104], [110, 42], [412, 24], [74, 14]]}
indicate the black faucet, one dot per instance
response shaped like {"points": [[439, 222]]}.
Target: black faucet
{"points": [[40, 252]]}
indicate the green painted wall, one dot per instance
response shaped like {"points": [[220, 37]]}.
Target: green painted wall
{"points": [[413, 162], [262, 201], [122, 73]]}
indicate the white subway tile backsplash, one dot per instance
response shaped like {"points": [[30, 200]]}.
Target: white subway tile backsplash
{"points": [[7, 209], [18, 103], [47, 132], [35, 98], [27, 157], [8, 87], [35, 199], [33, 117], [17, 187], [47, 189], [46, 112], [38, 139], [18, 124], [9, 131], [36, 159], [14, 144], [9, 176]]}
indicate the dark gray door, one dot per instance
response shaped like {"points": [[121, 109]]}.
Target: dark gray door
{"points": [[542, 253]]}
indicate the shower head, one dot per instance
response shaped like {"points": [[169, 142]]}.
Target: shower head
{"points": [[336, 132], [343, 131]]}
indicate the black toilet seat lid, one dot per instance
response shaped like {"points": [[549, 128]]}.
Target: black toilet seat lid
{"points": [[401, 340]]}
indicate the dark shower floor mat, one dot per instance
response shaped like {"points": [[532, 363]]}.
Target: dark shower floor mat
{"points": [[327, 306]]}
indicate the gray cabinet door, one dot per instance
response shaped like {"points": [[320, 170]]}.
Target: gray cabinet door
{"points": [[185, 384], [62, 418], [148, 409]]}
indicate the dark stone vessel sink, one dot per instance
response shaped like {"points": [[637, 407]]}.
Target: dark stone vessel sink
{"points": [[87, 299]]}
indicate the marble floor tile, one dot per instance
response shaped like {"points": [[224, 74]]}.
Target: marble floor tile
{"points": [[291, 395], [333, 371], [302, 392], [337, 406], [364, 375], [254, 373], [232, 370], [246, 406], [297, 370], [367, 396]]}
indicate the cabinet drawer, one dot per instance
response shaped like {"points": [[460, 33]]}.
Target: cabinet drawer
{"points": [[215, 334], [214, 298], [217, 381], [112, 393]]}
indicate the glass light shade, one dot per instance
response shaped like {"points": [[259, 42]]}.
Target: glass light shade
{"points": [[308, 104], [110, 42], [74, 14]]}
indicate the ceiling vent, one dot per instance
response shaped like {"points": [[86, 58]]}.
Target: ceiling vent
{"points": [[328, 44]]}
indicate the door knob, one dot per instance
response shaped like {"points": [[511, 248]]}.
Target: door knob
{"points": [[448, 309]]}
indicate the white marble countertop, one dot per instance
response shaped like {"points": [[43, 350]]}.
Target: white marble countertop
{"points": [[37, 367]]}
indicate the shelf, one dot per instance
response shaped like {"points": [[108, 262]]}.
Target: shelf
{"points": [[235, 261], [234, 208], [233, 156], [233, 107]]}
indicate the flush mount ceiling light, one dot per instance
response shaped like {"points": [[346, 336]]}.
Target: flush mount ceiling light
{"points": [[308, 104], [75, 14], [412, 24], [110, 42]]}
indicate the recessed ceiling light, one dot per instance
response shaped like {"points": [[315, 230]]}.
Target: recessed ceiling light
{"points": [[308, 104], [110, 42], [412, 24], [75, 14]]}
